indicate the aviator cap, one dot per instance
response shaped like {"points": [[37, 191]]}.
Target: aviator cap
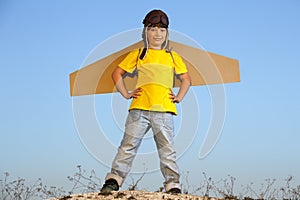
{"points": [[156, 18]]}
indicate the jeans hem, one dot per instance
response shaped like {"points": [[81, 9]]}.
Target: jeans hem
{"points": [[116, 177]]}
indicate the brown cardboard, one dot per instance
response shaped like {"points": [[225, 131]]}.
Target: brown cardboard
{"points": [[204, 68]]}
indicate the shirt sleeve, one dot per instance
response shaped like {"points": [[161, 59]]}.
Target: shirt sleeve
{"points": [[130, 61], [179, 65]]}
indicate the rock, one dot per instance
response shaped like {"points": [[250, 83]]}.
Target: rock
{"points": [[133, 195]]}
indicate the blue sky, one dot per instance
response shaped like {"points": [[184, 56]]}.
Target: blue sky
{"points": [[42, 42]]}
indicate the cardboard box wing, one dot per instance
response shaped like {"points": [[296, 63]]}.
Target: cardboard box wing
{"points": [[204, 68]]}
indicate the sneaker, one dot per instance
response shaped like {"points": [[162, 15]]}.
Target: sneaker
{"points": [[109, 186], [174, 191]]}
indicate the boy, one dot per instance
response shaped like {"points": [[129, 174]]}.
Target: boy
{"points": [[153, 103]]}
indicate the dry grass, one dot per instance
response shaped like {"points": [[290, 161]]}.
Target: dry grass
{"points": [[89, 183]]}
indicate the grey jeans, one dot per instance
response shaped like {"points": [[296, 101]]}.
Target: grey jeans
{"points": [[137, 125]]}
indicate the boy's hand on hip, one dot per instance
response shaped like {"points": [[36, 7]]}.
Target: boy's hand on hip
{"points": [[174, 98], [135, 93]]}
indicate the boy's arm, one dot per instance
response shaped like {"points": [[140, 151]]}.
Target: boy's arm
{"points": [[117, 77], [184, 87]]}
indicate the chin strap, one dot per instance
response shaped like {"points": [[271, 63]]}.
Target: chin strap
{"points": [[143, 54]]}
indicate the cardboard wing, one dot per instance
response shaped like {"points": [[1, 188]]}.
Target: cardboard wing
{"points": [[204, 68]]}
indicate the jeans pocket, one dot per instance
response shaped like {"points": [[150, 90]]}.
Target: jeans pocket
{"points": [[168, 122], [133, 116]]}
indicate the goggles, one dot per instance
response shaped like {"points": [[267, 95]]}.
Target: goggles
{"points": [[156, 18]]}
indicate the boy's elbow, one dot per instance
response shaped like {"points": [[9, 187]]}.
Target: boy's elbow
{"points": [[189, 80], [117, 74], [186, 78]]}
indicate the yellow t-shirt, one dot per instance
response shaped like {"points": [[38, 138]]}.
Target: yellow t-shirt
{"points": [[155, 78]]}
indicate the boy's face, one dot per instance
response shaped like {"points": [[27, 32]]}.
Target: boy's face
{"points": [[156, 37]]}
